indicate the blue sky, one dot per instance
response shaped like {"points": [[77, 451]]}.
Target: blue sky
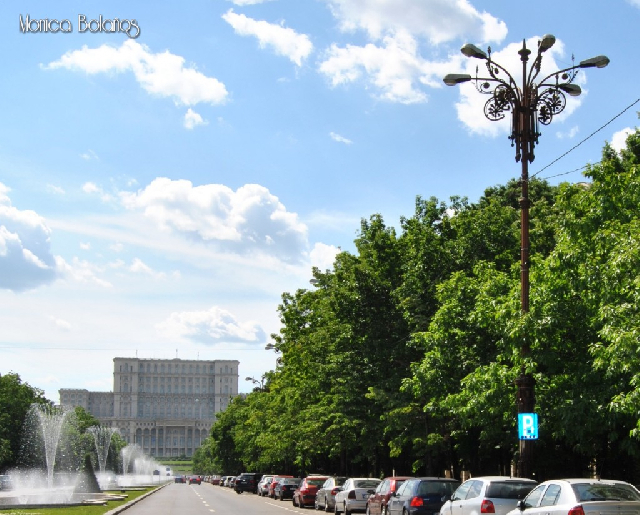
{"points": [[159, 190]]}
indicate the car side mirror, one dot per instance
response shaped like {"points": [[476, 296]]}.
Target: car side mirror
{"points": [[521, 505]]}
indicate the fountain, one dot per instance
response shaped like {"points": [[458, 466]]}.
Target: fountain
{"points": [[102, 437]]}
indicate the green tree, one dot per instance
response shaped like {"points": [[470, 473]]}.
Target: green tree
{"points": [[16, 398]]}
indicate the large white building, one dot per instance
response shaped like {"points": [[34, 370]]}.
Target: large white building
{"points": [[166, 406]]}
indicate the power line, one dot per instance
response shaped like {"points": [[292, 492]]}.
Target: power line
{"points": [[581, 142]]}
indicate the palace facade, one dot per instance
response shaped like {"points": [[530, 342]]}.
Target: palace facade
{"points": [[166, 406]]}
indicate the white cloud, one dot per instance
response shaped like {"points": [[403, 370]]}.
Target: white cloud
{"points": [[286, 42], [215, 325], [340, 139], [322, 256], [163, 74], [81, 271], [92, 188], [85, 246], [56, 190], [249, 220], [26, 261], [89, 155], [635, 3], [117, 247], [436, 20], [59, 323], [394, 69], [192, 119], [619, 139], [472, 103], [139, 267], [570, 134]]}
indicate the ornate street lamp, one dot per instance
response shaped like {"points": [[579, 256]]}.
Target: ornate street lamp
{"points": [[532, 104]]}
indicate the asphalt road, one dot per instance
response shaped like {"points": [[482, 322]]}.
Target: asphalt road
{"points": [[204, 499]]}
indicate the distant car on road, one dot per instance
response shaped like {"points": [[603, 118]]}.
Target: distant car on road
{"points": [[580, 497], [180, 479], [377, 502], [195, 480], [326, 494], [247, 482], [353, 495], [285, 488], [305, 494]]}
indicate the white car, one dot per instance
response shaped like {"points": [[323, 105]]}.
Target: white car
{"points": [[491, 494], [580, 497], [353, 494]]}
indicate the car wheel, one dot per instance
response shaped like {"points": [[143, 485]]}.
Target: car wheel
{"points": [[335, 508], [327, 508], [367, 511], [347, 511]]}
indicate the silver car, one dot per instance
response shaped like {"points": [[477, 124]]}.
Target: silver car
{"points": [[580, 497], [353, 495], [492, 494]]}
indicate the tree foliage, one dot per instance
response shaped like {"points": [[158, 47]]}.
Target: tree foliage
{"points": [[403, 356]]}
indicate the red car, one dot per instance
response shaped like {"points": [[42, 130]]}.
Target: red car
{"points": [[377, 502], [305, 494]]}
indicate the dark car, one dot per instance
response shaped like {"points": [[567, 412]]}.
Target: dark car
{"points": [[377, 502], [247, 482], [305, 494], [285, 488], [180, 479], [421, 496], [326, 494], [274, 483], [195, 480]]}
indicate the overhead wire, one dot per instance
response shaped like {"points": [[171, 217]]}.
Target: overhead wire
{"points": [[580, 143]]}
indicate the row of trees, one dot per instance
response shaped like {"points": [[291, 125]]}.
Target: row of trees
{"points": [[403, 357]]}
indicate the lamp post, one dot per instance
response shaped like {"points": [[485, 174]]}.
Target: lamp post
{"points": [[535, 102], [259, 388]]}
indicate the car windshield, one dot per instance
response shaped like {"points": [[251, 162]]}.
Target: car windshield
{"points": [[366, 483], [605, 492], [509, 489], [438, 488], [289, 481], [316, 482]]}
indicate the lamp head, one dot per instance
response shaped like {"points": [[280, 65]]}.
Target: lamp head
{"points": [[572, 89], [473, 51], [595, 62], [452, 79], [546, 42]]}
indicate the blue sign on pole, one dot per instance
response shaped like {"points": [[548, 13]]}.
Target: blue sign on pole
{"points": [[528, 426]]}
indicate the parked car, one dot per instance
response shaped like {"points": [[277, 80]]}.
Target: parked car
{"points": [[421, 496], [491, 494], [285, 488], [326, 494], [247, 482], [377, 502], [214, 480], [263, 485], [274, 483], [305, 494], [180, 479], [195, 480], [353, 495], [580, 497]]}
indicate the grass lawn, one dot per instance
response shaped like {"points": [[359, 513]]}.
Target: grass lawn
{"points": [[80, 510]]}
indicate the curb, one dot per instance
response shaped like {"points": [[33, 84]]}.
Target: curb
{"points": [[120, 509]]}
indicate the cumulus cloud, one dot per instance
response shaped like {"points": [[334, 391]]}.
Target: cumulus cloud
{"points": [[284, 41], [92, 188], [340, 139], [619, 139], [59, 323], [192, 119], [56, 190], [214, 325], [140, 267], [247, 221], [391, 64], [322, 256], [26, 261], [570, 134], [162, 74], [436, 20], [81, 271]]}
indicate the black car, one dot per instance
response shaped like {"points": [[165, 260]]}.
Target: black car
{"points": [[421, 496], [285, 487], [247, 482]]}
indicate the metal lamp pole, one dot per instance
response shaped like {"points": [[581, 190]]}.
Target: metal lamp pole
{"points": [[533, 103]]}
